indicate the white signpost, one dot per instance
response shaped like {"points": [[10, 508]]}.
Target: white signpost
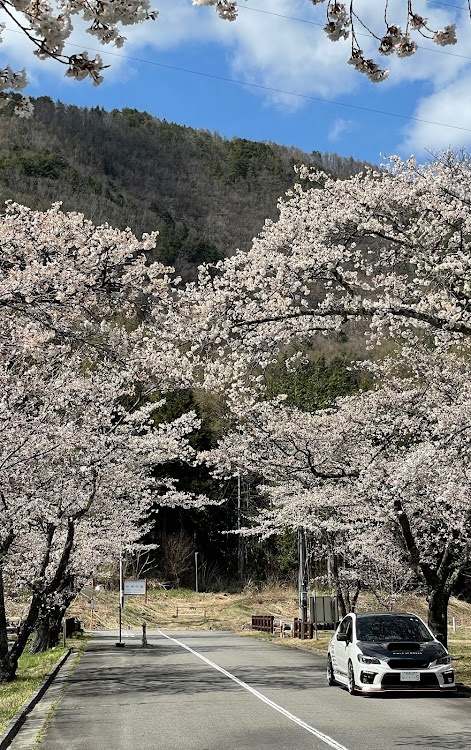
{"points": [[129, 588], [135, 588]]}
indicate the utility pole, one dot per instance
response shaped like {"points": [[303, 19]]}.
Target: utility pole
{"points": [[302, 578], [121, 598], [240, 540], [92, 604], [196, 572]]}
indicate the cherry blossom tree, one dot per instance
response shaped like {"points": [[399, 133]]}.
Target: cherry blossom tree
{"points": [[390, 248], [381, 479], [84, 353], [308, 477], [76, 483]]}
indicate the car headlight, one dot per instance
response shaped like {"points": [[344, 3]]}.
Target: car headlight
{"points": [[368, 659], [444, 660]]}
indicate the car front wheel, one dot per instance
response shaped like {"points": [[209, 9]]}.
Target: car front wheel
{"points": [[351, 679], [330, 672]]}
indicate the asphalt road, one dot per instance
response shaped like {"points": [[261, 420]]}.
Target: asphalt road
{"points": [[262, 697]]}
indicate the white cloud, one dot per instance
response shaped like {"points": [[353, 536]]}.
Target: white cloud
{"points": [[259, 48], [340, 128], [450, 105]]}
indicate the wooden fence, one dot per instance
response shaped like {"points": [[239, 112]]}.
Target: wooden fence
{"points": [[302, 630], [263, 622]]}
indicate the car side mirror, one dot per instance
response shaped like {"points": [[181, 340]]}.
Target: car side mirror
{"points": [[440, 637], [342, 637]]}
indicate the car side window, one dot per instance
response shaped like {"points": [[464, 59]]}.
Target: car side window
{"points": [[346, 626], [350, 629]]}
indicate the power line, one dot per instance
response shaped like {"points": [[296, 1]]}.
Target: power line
{"points": [[260, 87], [449, 5], [357, 33]]}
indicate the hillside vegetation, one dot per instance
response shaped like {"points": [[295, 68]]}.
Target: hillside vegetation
{"points": [[205, 194]]}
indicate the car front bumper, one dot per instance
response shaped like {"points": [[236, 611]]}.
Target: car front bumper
{"points": [[383, 679]]}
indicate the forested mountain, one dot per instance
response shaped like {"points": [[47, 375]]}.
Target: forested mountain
{"points": [[205, 194]]}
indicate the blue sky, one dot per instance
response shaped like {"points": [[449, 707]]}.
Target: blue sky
{"points": [[278, 53]]}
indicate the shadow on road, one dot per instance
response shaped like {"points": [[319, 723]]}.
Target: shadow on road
{"points": [[162, 671], [453, 741]]}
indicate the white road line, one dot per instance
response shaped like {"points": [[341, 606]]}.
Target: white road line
{"points": [[320, 735]]}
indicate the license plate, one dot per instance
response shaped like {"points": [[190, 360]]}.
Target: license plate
{"points": [[410, 676]]}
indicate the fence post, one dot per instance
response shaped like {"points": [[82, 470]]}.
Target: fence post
{"points": [[144, 635]]}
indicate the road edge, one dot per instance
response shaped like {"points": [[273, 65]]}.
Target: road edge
{"points": [[16, 722]]}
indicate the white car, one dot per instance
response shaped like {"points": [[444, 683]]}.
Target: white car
{"points": [[372, 653]]}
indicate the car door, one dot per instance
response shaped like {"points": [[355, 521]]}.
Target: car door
{"points": [[342, 647]]}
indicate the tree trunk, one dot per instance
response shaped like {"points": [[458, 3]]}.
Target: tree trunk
{"points": [[41, 637], [6, 674], [334, 568], [437, 613], [47, 630]]}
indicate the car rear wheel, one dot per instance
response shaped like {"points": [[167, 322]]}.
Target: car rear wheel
{"points": [[351, 679], [330, 672]]}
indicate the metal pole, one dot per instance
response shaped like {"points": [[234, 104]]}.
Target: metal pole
{"points": [[121, 597], [240, 541], [92, 604], [302, 579], [196, 572]]}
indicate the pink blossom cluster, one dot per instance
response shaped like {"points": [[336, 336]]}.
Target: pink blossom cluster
{"points": [[390, 247], [342, 25], [49, 26]]}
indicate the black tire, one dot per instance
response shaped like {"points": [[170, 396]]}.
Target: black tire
{"points": [[330, 672], [351, 679]]}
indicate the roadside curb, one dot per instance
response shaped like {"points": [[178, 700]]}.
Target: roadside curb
{"points": [[16, 722]]}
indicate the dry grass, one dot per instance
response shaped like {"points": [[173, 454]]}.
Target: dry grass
{"points": [[219, 611], [230, 611]]}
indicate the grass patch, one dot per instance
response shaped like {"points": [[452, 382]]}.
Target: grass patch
{"points": [[49, 716], [461, 653], [32, 670], [174, 593], [220, 611]]}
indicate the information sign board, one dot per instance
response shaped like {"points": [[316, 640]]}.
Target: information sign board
{"points": [[135, 588]]}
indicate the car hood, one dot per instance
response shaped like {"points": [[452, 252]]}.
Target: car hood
{"points": [[429, 651]]}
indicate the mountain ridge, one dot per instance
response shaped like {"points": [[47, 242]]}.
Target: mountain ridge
{"points": [[205, 194]]}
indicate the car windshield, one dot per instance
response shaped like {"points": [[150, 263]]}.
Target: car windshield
{"points": [[390, 628]]}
